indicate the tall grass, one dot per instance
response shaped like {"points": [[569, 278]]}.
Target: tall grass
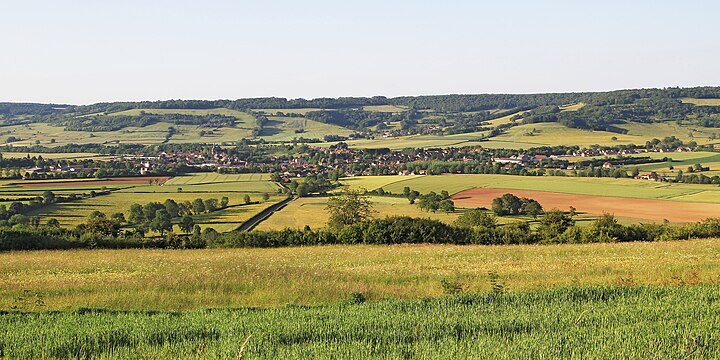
{"points": [[184, 280], [594, 322]]}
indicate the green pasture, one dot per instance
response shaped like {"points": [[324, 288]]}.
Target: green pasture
{"points": [[284, 129], [76, 212], [236, 186], [683, 162], [199, 112], [554, 134], [192, 134], [180, 188], [152, 134], [44, 133], [416, 141], [660, 130], [675, 156], [374, 182], [64, 156], [213, 177]]}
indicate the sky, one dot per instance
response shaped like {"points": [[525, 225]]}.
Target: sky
{"points": [[81, 52]]}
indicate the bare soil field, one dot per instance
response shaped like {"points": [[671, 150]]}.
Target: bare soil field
{"points": [[656, 210], [99, 182]]}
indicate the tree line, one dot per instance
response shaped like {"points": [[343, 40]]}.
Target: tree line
{"points": [[473, 227]]}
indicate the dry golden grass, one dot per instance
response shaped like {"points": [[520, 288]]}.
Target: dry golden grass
{"points": [[311, 212], [701, 102], [192, 279], [573, 107]]}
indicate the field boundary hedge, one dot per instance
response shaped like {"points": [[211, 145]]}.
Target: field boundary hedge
{"points": [[389, 230]]}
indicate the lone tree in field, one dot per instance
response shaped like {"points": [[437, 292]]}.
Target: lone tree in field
{"points": [[349, 207]]}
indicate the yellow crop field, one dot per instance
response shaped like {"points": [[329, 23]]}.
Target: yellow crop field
{"points": [[702, 102], [311, 212], [208, 278]]}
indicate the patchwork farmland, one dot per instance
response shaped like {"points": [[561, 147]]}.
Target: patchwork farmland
{"points": [[205, 229]]}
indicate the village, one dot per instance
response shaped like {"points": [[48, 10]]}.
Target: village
{"points": [[338, 160]]}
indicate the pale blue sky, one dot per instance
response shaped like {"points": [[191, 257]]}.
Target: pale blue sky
{"points": [[89, 51]]}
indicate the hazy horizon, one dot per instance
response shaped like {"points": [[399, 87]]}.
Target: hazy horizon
{"points": [[84, 52]]}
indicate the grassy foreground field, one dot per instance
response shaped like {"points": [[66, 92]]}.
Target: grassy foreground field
{"points": [[620, 322], [181, 280]]}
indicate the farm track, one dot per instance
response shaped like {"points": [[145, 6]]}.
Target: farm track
{"points": [[251, 223]]}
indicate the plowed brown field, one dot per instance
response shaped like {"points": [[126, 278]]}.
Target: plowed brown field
{"points": [[656, 210]]}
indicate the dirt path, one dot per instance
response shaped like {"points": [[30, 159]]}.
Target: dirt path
{"points": [[656, 210]]}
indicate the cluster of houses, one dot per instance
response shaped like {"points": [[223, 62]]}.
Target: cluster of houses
{"points": [[611, 152], [217, 159], [522, 160], [326, 160], [56, 169]]}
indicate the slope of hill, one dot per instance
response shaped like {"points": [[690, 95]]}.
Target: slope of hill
{"points": [[614, 117]]}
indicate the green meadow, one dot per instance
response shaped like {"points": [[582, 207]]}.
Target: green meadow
{"points": [[182, 188], [289, 128]]}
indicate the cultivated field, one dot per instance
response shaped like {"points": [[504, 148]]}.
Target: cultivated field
{"points": [[626, 188], [73, 213], [503, 120], [65, 156], [634, 322], [208, 278], [127, 191], [633, 200], [93, 182], [311, 212], [702, 102], [385, 108], [638, 209], [213, 177], [573, 107]]}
